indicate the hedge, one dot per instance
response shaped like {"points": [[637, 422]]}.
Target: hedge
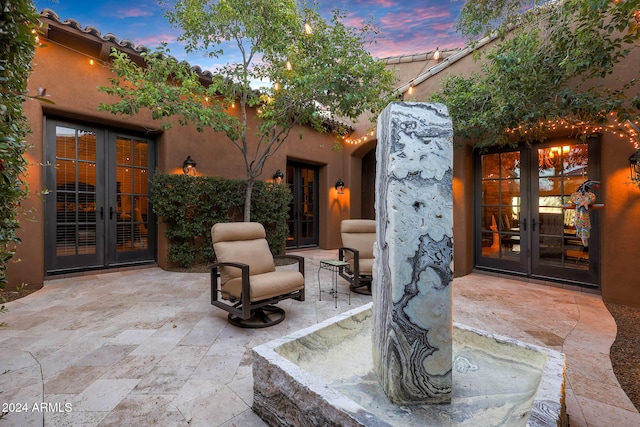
{"points": [[190, 206]]}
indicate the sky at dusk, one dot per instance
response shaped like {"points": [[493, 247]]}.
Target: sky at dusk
{"points": [[406, 27]]}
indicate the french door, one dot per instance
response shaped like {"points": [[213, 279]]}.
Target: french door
{"points": [[97, 210], [302, 180], [525, 221]]}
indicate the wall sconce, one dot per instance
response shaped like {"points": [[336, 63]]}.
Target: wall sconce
{"points": [[340, 186], [634, 167], [189, 166], [278, 176]]}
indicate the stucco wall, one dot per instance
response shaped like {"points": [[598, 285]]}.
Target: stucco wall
{"points": [[620, 226], [72, 83]]}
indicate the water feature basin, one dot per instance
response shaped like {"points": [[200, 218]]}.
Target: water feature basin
{"points": [[323, 375]]}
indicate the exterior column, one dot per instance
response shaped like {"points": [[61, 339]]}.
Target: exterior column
{"points": [[413, 268]]}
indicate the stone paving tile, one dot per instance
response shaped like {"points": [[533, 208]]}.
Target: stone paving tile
{"points": [[74, 379], [164, 379], [71, 418], [132, 336], [214, 407], [145, 347], [103, 395], [144, 410]]}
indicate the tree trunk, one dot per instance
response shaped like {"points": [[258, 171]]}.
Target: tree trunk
{"points": [[247, 199]]}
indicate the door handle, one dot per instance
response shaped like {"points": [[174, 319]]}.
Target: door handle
{"points": [[524, 224], [110, 212], [101, 213], [533, 225]]}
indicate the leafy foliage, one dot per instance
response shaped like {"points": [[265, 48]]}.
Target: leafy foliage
{"points": [[190, 206], [331, 75], [549, 67], [17, 43]]}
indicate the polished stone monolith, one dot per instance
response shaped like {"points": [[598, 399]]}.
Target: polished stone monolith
{"points": [[412, 277]]}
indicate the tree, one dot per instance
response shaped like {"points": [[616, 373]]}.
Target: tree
{"points": [[548, 69], [18, 23], [314, 75]]}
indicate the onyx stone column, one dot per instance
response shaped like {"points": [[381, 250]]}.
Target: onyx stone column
{"points": [[412, 277]]}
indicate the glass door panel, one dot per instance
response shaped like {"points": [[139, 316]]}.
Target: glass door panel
{"points": [[72, 225], [500, 206], [302, 180], [561, 169], [132, 205], [307, 229], [76, 192]]}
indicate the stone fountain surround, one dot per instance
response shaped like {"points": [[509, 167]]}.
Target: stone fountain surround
{"points": [[285, 394]]}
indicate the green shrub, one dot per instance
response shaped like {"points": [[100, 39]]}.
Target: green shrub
{"points": [[18, 19], [189, 206]]}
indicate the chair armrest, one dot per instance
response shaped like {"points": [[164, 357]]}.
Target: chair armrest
{"points": [[355, 252], [245, 279], [229, 264], [297, 258], [356, 259]]}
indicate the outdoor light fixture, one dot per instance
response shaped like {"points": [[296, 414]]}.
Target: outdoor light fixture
{"points": [[634, 166], [436, 54], [278, 176], [189, 166], [340, 186]]}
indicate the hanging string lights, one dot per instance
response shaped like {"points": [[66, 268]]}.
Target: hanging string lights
{"points": [[360, 140], [627, 129]]}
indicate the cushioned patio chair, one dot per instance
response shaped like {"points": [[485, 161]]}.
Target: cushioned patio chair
{"points": [[358, 236], [244, 280]]}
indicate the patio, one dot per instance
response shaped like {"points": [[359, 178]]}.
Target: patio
{"points": [[145, 347]]}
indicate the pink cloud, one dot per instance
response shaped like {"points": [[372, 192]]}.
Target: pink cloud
{"points": [[377, 3], [156, 39], [415, 45], [134, 12], [417, 17]]}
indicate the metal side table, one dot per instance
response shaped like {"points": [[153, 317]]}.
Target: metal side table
{"points": [[334, 266]]}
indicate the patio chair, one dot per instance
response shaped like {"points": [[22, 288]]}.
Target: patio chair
{"points": [[358, 236], [244, 280]]}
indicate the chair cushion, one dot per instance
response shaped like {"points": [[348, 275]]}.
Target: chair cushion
{"points": [[267, 285], [359, 234], [365, 265], [242, 242]]}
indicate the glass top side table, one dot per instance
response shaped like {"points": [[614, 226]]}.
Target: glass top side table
{"points": [[334, 266]]}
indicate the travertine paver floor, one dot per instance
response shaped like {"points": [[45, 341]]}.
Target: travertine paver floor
{"points": [[146, 348]]}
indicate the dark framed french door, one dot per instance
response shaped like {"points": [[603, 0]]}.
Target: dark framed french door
{"points": [[97, 208], [302, 180], [521, 224]]}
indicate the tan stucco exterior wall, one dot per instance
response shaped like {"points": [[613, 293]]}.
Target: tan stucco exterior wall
{"points": [[72, 83], [620, 224]]}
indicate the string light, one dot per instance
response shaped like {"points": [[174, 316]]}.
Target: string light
{"points": [[363, 138], [307, 28], [628, 129]]}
